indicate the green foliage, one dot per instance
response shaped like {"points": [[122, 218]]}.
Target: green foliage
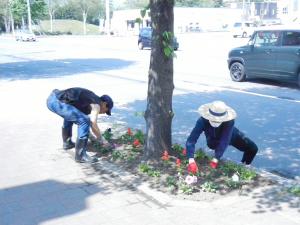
{"points": [[67, 26], [139, 135], [185, 188], [244, 173], [295, 190], [107, 134], [200, 155], [19, 10], [171, 181], [38, 10], [167, 40], [144, 168], [210, 187], [233, 184]]}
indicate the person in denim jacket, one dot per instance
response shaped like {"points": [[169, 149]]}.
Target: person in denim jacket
{"points": [[217, 123], [82, 107]]}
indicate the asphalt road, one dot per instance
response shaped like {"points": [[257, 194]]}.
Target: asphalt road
{"points": [[268, 112]]}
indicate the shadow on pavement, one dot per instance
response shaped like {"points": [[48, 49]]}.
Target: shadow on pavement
{"points": [[31, 204], [57, 68], [272, 124]]}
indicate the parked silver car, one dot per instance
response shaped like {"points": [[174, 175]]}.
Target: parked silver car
{"points": [[25, 35]]}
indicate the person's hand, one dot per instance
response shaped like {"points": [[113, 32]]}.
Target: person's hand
{"points": [[192, 167], [214, 163]]}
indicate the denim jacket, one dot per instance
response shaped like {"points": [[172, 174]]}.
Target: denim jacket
{"points": [[217, 138]]}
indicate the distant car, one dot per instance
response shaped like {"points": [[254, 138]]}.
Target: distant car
{"points": [[243, 29], [144, 40], [271, 53], [25, 35]]}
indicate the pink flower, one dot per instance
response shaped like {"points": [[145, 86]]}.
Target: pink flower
{"points": [[191, 179]]}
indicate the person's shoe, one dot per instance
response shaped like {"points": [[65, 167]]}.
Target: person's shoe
{"points": [[80, 152], [67, 139], [68, 144]]}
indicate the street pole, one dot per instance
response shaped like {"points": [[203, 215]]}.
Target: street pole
{"points": [[29, 16], [107, 22]]}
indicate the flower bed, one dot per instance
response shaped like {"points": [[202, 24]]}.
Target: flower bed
{"points": [[170, 175]]}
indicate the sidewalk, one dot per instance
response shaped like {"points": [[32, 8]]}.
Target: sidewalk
{"points": [[41, 184]]}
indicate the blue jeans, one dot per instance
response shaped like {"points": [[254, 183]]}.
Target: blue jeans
{"points": [[70, 114]]}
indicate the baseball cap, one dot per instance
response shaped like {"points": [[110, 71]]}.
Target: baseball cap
{"points": [[109, 102]]}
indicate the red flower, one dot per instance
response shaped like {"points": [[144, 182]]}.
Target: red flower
{"points": [[184, 152], [178, 162], [129, 132], [165, 156], [136, 143]]}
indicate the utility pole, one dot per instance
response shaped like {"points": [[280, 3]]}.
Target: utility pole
{"points": [[29, 16], [107, 21]]}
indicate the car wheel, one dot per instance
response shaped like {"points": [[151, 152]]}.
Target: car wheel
{"points": [[234, 36], [141, 46], [244, 34], [237, 72]]}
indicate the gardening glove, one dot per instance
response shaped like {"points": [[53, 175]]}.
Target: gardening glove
{"points": [[214, 163], [192, 167]]}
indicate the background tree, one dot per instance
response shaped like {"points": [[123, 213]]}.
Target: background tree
{"points": [[38, 10], [159, 112], [52, 7], [19, 12], [5, 16]]}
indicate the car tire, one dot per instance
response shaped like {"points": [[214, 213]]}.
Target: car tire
{"points": [[244, 34], [141, 46], [237, 72], [234, 36]]}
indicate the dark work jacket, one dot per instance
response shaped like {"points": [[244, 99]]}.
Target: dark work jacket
{"points": [[79, 97], [217, 138]]}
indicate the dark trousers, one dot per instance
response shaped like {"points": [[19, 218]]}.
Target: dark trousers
{"points": [[244, 144]]}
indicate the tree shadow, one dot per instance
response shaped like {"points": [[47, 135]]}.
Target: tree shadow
{"points": [[57, 68], [271, 123], [33, 203]]}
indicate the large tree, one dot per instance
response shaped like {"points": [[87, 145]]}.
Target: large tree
{"points": [[159, 112]]}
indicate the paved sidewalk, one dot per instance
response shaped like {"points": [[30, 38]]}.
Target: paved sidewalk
{"points": [[41, 184]]}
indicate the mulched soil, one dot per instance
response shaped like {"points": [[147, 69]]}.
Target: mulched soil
{"points": [[168, 177]]}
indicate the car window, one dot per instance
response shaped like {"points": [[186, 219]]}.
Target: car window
{"points": [[146, 32], [291, 38], [237, 25], [266, 38]]}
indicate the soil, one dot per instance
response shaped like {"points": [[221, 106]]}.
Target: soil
{"points": [[167, 176]]}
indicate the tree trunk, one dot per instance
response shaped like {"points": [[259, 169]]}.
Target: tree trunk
{"points": [[159, 112], [51, 21], [84, 16]]}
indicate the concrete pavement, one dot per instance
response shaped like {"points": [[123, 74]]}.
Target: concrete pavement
{"points": [[40, 184]]}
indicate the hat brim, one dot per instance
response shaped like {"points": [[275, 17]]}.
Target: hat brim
{"points": [[204, 112]]}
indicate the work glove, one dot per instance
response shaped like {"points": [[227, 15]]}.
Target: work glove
{"points": [[214, 163], [192, 167]]}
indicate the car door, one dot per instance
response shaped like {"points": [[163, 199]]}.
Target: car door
{"points": [[260, 61], [146, 37], [288, 56]]}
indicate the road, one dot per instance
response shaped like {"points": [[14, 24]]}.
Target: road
{"points": [[268, 112]]}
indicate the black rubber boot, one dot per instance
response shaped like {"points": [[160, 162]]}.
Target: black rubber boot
{"points": [[67, 141], [80, 152]]}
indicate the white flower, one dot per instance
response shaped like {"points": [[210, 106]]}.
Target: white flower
{"points": [[190, 179], [235, 177]]}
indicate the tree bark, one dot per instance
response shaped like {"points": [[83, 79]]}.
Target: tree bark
{"points": [[159, 112]]}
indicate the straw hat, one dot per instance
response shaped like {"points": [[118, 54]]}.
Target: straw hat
{"points": [[217, 111]]}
